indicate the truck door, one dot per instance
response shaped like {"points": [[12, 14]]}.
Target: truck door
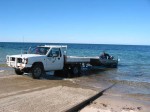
{"points": [[54, 60]]}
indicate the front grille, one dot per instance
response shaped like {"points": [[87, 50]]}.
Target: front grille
{"points": [[12, 59], [19, 60]]}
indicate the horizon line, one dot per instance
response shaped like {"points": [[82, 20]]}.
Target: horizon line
{"points": [[75, 43]]}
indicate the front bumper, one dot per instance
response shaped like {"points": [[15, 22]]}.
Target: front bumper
{"points": [[16, 63]]}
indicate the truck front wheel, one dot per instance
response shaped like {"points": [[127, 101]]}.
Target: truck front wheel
{"points": [[18, 72], [36, 71]]}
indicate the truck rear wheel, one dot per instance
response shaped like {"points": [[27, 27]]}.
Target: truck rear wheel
{"points": [[18, 72], [36, 71], [76, 71]]}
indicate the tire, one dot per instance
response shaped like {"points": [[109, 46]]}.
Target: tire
{"points": [[37, 71], [76, 71], [18, 72]]}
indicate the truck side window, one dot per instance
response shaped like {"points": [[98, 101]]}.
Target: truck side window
{"points": [[55, 52]]}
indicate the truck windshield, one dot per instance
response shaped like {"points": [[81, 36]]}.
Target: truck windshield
{"points": [[39, 50]]}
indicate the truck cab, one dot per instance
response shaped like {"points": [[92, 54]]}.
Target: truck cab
{"points": [[38, 60]]}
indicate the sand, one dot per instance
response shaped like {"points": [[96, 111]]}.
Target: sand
{"points": [[117, 104], [24, 94]]}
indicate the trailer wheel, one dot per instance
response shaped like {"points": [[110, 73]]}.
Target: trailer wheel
{"points": [[18, 72], [76, 70], [36, 71]]}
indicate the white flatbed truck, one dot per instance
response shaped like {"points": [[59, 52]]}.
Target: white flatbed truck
{"points": [[48, 58]]}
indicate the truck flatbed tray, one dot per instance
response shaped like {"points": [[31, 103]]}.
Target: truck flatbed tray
{"points": [[78, 59]]}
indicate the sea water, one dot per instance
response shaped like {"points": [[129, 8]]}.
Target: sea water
{"points": [[133, 68]]}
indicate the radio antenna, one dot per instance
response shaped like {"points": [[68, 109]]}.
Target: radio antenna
{"points": [[23, 45]]}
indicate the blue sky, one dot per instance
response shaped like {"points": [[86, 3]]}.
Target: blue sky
{"points": [[75, 21]]}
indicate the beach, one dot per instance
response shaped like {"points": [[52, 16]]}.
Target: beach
{"points": [[74, 56], [130, 91], [56, 94]]}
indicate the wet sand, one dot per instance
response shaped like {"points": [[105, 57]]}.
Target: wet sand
{"points": [[54, 94]]}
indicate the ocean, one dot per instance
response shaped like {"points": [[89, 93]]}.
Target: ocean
{"points": [[133, 71]]}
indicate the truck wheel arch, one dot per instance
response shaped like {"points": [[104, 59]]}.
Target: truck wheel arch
{"points": [[38, 63], [39, 66]]}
